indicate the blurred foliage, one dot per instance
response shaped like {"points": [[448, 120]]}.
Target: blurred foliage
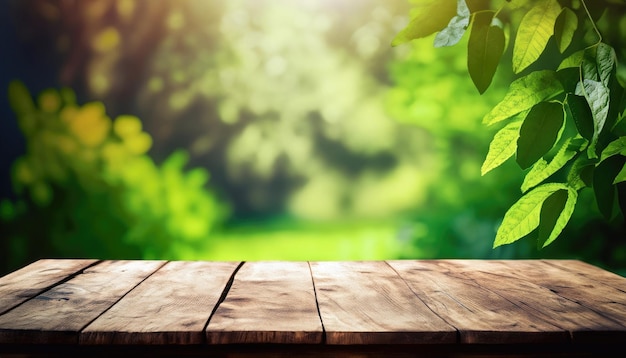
{"points": [[87, 188], [296, 122], [281, 99], [462, 210], [324, 141]]}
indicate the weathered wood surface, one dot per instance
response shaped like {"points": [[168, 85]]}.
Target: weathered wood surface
{"points": [[268, 302], [35, 278], [577, 297], [480, 315], [467, 304], [59, 314], [532, 303], [368, 303], [170, 307]]}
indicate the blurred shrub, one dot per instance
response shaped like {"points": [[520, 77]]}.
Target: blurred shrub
{"points": [[87, 188]]}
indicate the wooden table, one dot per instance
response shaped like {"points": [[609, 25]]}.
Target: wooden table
{"points": [[366, 308]]}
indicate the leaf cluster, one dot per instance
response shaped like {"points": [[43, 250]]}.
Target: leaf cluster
{"points": [[562, 117]]}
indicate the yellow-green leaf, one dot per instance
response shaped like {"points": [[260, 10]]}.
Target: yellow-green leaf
{"points": [[543, 170], [484, 50], [535, 29], [524, 93], [516, 4], [573, 60], [524, 216], [581, 173], [617, 146], [503, 146], [621, 176], [429, 17]]}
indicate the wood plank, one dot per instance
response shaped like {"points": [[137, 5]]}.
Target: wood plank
{"points": [[170, 307], [57, 315], [268, 302], [368, 303], [590, 272], [28, 282], [480, 315], [584, 324]]}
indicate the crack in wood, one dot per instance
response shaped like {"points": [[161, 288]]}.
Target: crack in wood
{"points": [[225, 291], [121, 296], [317, 304]]}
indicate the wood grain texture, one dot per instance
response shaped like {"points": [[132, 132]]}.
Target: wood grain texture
{"points": [[480, 315], [583, 324], [368, 303], [590, 272], [57, 315], [437, 306], [268, 302], [172, 306], [35, 278], [607, 303]]}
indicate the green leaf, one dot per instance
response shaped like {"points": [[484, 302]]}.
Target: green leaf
{"points": [[588, 67], [453, 33], [524, 93], [430, 16], [619, 128], [535, 29], [539, 132], [597, 96], [621, 176], [556, 211], [484, 50], [543, 170], [616, 93], [503, 146], [603, 177], [605, 61], [573, 60], [581, 173], [569, 78], [617, 146], [564, 28], [578, 109], [600, 88], [524, 216]]}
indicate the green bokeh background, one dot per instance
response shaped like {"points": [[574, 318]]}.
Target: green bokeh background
{"points": [[251, 130]]}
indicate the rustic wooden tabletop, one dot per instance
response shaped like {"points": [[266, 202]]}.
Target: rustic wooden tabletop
{"points": [[376, 306]]}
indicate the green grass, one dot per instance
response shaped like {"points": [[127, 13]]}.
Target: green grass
{"points": [[305, 241]]}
